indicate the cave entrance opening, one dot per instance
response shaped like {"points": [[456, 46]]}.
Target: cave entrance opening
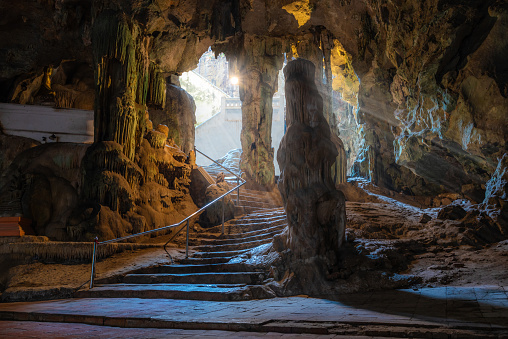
{"points": [[215, 89]]}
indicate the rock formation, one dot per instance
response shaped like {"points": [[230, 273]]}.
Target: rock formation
{"points": [[179, 115], [213, 215], [43, 183], [315, 208], [70, 85], [258, 65]]}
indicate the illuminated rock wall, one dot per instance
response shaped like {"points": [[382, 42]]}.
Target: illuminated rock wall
{"points": [[258, 65]]}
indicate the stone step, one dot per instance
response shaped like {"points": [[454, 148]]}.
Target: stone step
{"points": [[270, 212], [246, 245], [242, 210], [237, 238], [218, 254], [211, 292], [234, 226], [204, 261], [197, 268], [247, 236], [258, 220], [255, 203], [233, 230], [254, 195], [250, 278]]}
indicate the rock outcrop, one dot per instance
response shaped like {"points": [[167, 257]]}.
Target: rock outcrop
{"points": [[179, 115], [212, 216]]}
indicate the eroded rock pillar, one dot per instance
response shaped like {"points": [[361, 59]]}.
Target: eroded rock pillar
{"points": [[258, 67], [315, 208]]}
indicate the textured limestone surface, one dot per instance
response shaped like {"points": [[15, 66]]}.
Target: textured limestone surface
{"points": [[432, 75], [212, 216], [179, 115], [258, 65], [315, 208]]}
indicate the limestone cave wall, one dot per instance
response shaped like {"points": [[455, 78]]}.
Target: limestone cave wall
{"points": [[425, 81], [433, 106]]}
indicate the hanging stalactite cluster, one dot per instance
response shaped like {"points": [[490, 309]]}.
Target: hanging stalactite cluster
{"points": [[129, 169]]}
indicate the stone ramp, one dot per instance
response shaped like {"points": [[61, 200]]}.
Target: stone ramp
{"points": [[447, 312]]}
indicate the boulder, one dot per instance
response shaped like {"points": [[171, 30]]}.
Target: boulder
{"points": [[212, 216]]}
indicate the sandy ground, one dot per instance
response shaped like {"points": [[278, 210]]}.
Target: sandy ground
{"points": [[45, 279]]}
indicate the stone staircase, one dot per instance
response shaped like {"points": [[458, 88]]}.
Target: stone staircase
{"points": [[216, 269], [212, 272], [250, 200]]}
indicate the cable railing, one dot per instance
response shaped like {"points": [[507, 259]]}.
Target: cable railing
{"points": [[98, 243]]}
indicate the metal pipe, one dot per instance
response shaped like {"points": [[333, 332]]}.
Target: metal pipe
{"points": [[187, 242], [223, 206], [190, 216], [96, 240], [238, 192], [215, 162]]}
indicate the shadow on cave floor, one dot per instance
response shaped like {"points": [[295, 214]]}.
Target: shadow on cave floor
{"points": [[468, 305]]}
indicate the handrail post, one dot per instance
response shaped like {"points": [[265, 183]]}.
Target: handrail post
{"points": [[238, 192], [223, 206], [95, 242], [187, 242]]}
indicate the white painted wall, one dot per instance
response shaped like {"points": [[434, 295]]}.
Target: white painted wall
{"points": [[38, 122], [221, 133], [207, 97]]}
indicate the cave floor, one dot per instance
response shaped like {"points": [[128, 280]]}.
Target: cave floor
{"points": [[462, 290], [465, 312]]}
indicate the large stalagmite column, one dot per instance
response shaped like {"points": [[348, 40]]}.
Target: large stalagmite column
{"points": [[315, 208], [258, 66], [317, 49]]}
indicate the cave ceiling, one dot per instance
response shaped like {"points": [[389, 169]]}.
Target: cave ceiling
{"points": [[433, 76], [38, 33]]}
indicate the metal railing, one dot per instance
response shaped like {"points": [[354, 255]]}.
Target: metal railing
{"points": [[98, 243]]}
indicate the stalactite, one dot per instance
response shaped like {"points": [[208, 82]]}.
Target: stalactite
{"points": [[121, 73], [156, 87]]}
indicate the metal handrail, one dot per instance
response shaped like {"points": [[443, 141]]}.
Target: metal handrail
{"points": [[238, 178], [97, 243], [215, 162], [199, 211]]}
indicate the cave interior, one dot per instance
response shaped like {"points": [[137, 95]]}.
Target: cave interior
{"points": [[393, 165]]}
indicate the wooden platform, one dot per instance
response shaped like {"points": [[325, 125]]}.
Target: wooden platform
{"points": [[15, 227]]}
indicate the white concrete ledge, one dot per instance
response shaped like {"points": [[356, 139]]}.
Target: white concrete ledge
{"points": [[39, 122]]}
